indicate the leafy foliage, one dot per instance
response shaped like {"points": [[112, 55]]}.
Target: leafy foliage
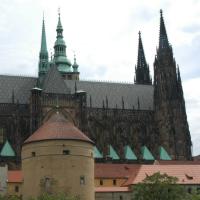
{"points": [[159, 187]]}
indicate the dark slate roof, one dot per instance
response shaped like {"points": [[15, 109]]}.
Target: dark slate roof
{"points": [[114, 92], [21, 86], [99, 91], [53, 82]]}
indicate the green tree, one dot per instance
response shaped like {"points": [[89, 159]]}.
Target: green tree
{"points": [[193, 196], [159, 187]]}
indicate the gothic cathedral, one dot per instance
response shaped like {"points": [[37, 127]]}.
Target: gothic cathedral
{"points": [[133, 122]]}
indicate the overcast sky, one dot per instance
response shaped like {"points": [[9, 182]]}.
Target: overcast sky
{"points": [[104, 35]]}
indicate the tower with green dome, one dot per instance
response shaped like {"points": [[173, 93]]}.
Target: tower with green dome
{"points": [[60, 59]]}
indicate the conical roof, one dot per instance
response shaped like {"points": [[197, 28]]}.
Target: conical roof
{"points": [[57, 128]]}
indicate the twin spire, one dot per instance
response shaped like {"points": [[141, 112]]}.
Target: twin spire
{"points": [[142, 75]]}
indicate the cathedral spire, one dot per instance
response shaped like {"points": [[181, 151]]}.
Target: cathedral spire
{"points": [[60, 57], [43, 56], [59, 26], [163, 39], [141, 62], [43, 40], [169, 101], [142, 75]]}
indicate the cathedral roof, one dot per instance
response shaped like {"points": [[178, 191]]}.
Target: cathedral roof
{"points": [[20, 86], [114, 93], [97, 92], [57, 128]]}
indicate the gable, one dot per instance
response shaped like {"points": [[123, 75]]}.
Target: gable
{"points": [[53, 82]]}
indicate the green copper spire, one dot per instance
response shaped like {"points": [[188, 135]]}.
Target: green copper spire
{"points": [[60, 58], [43, 43], [75, 65], [59, 27], [43, 57]]}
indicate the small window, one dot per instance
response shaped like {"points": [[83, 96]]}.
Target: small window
{"points": [[33, 154], [189, 190], [120, 197], [82, 180], [16, 188], [101, 182], [114, 182], [198, 190], [66, 152]]}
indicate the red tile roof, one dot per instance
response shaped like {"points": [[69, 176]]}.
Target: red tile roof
{"points": [[15, 176], [177, 162], [108, 170], [57, 128], [186, 174], [112, 189]]}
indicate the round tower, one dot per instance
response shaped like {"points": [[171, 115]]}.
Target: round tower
{"points": [[58, 158]]}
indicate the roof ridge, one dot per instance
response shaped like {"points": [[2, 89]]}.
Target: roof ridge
{"points": [[106, 81], [20, 76]]}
